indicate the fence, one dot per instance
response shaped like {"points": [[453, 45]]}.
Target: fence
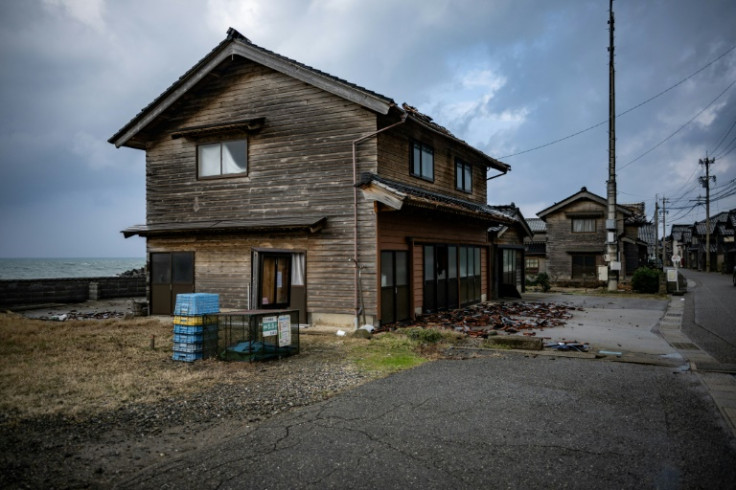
{"points": [[29, 292]]}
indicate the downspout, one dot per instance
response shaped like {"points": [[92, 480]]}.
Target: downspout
{"points": [[358, 297], [498, 175]]}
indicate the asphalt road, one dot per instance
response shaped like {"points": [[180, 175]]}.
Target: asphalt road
{"points": [[710, 314], [505, 421]]}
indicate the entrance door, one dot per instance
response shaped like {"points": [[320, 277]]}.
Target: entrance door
{"points": [[440, 277], [171, 274], [275, 280], [394, 286]]}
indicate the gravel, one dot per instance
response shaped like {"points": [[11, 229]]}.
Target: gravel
{"points": [[97, 450]]}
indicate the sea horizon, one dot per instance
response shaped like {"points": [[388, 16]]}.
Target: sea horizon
{"points": [[66, 267]]}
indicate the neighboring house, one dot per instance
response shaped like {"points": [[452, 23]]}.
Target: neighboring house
{"points": [[722, 247], [510, 255], [279, 186], [681, 238], [576, 237], [536, 248], [648, 235]]}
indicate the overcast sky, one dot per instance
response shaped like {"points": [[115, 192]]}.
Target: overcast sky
{"points": [[505, 75]]}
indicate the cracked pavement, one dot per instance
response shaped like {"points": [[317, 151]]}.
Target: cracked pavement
{"points": [[509, 420]]}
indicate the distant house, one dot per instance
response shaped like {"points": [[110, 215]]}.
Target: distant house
{"points": [[648, 235], [576, 237], [535, 247], [681, 240], [279, 186], [510, 255], [722, 247]]}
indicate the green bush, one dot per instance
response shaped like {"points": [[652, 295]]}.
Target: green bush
{"points": [[645, 280], [428, 335], [543, 281]]}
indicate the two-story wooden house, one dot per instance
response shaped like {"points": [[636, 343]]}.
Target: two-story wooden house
{"points": [[576, 237], [277, 185]]}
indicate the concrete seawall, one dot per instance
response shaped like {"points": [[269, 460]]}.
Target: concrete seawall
{"points": [[27, 292]]}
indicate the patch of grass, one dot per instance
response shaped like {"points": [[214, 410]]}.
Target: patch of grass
{"points": [[386, 353]]}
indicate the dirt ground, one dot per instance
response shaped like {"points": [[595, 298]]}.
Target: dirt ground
{"points": [[69, 420], [94, 451]]}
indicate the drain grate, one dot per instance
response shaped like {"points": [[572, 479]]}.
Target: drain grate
{"points": [[685, 346]]}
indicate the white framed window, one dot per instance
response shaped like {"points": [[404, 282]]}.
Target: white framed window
{"points": [[222, 158]]}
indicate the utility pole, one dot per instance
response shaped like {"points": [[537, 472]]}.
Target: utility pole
{"points": [[706, 183], [614, 266], [656, 227], [664, 231]]}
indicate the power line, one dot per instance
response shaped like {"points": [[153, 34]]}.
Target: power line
{"points": [[678, 129], [713, 152], [559, 140], [729, 148]]}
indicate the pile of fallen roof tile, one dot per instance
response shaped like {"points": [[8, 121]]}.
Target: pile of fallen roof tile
{"points": [[493, 318]]}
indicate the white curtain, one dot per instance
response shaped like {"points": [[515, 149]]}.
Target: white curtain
{"points": [[297, 269]]}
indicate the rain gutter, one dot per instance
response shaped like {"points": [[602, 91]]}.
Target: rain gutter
{"points": [[358, 298]]}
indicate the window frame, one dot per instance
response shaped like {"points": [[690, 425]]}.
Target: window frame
{"points": [[462, 168], [531, 264], [584, 230], [221, 143], [580, 270], [422, 147]]}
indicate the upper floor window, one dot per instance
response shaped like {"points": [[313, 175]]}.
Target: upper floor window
{"points": [[422, 161], [463, 176], [223, 158], [583, 225]]}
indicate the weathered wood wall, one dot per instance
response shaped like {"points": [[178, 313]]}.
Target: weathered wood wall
{"points": [[412, 229], [561, 240], [393, 163], [299, 164]]}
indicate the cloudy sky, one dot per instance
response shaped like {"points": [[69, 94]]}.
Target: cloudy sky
{"points": [[526, 81]]}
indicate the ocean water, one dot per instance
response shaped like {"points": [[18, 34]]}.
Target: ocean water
{"points": [[63, 268]]}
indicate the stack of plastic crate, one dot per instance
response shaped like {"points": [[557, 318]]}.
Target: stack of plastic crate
{"points": [[195, 326]]}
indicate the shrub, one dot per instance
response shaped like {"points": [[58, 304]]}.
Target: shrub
{"points": [[543, 281], [428, 335], [645, 280]]}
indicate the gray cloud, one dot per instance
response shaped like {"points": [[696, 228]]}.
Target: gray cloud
{"points": [[72, 75]]}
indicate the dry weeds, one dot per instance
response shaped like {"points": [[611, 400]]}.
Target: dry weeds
{"points": [[80, 368]]}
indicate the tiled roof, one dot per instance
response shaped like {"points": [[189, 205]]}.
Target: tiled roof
{"points": [[423, 197], [537, 225], [646, 233], [234, 35], [346, 89]]}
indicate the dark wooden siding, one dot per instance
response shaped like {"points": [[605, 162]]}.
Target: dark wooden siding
{"points": [[561, 241], [299, 164], [393, 163], [411, 229]]}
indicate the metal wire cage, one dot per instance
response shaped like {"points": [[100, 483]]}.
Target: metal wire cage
{"points": [[257, 335]]}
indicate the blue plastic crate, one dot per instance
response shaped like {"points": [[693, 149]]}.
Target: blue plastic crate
{"points": [[205, 330], [187, 347], [194, 304], [187, 330], [186, 356], [195, 338]]}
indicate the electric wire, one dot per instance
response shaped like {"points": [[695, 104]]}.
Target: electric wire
{"points": [[678, 129], [723, 138], [729, 148], [646, 101]]}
